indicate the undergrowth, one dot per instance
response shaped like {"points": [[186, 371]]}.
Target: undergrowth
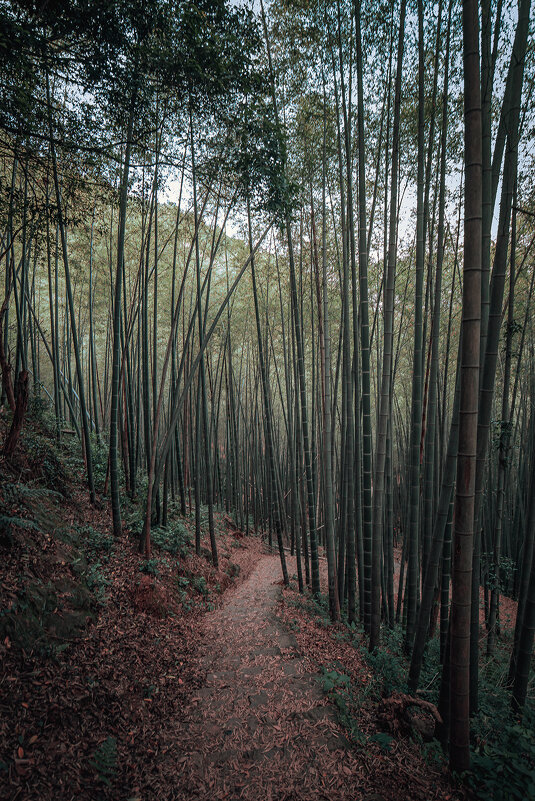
{"points": [[503, 763], [95, 550], [193, 591], [341, 693], [174, 538], [503, 746]]}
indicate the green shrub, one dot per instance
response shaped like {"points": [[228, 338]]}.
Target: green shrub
{"points": [[71, 454], [431, 670], [94, 541], [100, 454], [150, 566], [96, 582], [317, 606], [41, 412], [433, 753], [339, 689], [388, 663], [503, 767], [135, 521], [46, 461], [175, 539], [199, 585], [333, 680], [183, 584]]}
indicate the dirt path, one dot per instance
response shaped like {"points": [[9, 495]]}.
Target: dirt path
{"points": [[260, 728]]}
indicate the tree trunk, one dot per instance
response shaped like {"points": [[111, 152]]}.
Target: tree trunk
{"points": [[466, 459]]}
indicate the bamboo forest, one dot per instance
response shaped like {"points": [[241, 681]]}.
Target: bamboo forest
{"points": [[267, 421]]}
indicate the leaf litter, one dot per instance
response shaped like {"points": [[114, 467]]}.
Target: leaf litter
{"points": [[155, 700]]}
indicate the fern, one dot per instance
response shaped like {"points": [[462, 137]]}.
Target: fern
{"points": [[104, 760], [94, 541], [7, 523], [96, 582], [175, 539], [17, 500]]}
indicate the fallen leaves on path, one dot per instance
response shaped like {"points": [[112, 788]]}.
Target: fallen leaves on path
{"points": [[153, 703], [89, 721]]}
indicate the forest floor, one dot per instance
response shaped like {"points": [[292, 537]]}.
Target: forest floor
{"points": [[262, 727], [126, 679], [215, 704]]}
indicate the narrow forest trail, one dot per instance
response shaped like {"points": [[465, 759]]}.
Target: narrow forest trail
{"points": [[261, 727]]}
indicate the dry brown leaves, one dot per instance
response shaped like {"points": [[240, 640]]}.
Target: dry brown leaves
{"points": [[399, 773], [129, 672]]}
